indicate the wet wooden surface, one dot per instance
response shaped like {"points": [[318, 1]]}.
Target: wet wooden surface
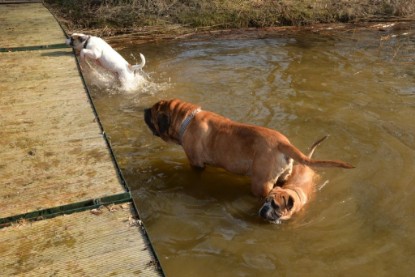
{"points": [[104, 242], [53, 153]]}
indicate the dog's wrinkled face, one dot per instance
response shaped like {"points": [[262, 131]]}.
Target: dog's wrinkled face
{"points": [[158, 119], [165, 118], [279, 205], [76, 41]]}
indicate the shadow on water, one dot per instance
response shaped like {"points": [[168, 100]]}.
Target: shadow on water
{"points": [[356, 86]]}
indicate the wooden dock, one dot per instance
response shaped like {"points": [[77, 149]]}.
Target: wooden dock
{"points": [[55, 164]]}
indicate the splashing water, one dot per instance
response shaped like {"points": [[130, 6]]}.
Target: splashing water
{"points": [[103, 80]]}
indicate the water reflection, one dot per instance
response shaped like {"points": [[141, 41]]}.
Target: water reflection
{"points": [[356, 86]]}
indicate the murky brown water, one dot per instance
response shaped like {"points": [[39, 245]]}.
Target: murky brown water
{"points": [[356, 86]]}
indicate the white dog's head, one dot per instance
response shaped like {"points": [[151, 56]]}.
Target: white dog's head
{"points": [[77, 41]]}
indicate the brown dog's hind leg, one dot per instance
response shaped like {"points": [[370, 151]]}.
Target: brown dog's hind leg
{"points": [[284, 176], [261, 185], [261, 189], [266, 172]]}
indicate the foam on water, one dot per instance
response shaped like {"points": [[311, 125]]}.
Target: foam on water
{"points": [[104, 80]]}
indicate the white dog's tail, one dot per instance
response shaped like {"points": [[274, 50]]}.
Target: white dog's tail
{"points": [[139, 66]]}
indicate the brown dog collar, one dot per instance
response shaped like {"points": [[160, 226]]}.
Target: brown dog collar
{"points": [[186, 123]]}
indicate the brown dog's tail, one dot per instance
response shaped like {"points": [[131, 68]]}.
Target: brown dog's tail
{"points": [[292, 152]]}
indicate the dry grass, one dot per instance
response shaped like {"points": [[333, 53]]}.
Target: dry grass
{"points": [[125, 15]]}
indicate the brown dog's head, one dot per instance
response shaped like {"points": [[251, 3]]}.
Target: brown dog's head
{"points": [[279, 205], [77, 40], [165, 118]]}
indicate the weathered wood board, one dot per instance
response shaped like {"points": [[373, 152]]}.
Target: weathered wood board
{"points": [[52, 150], [105, 242]]}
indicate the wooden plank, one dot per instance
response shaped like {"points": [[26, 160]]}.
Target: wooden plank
{"points": [[52, 157], [106, 242], [53, 176], [53, 152], [28, 25]]}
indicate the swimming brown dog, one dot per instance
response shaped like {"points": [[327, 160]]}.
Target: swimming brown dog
{"points": [[210, 139], [283, 202]]}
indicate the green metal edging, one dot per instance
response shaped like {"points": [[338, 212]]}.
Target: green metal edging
{"points": [[67, 209], [32, 48]]}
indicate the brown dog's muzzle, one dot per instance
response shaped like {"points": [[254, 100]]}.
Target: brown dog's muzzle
{"points": [[269, 210], [147, 119]]}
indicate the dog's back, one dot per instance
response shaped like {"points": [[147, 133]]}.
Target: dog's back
{"points": [[109, 58]]}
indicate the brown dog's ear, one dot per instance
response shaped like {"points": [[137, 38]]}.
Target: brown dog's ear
{"points": [[163, 122]]}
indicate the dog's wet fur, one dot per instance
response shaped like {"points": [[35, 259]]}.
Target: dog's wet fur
{"points": [[208, 138], [289, 198]]}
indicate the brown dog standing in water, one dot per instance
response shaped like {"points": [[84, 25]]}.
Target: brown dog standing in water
{"points": [[283, 202], [210, 139]]}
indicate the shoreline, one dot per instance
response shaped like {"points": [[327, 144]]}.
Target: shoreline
{"points": [[164, 27], [383, 27]]}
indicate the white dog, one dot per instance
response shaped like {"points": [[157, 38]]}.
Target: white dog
{"points": [[97, 49]]}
